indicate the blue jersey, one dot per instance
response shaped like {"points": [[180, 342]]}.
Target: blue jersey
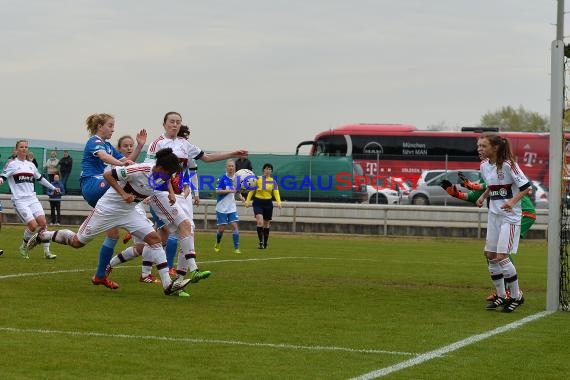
{"points": [[92, 165], [224, 182]]}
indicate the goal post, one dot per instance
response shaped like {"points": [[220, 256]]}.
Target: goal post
{"points": [[556, 232]]}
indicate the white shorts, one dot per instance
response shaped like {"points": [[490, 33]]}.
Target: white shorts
{"points": [[186, 205], [502, 237], [133, 220], [28, 208], [171, 215]]}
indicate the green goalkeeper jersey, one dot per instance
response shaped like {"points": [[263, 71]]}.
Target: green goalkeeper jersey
{"points": [[526, 203]]}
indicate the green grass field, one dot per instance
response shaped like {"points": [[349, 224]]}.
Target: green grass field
{"points": [[324, 307]]}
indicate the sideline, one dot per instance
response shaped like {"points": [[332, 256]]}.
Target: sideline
{"points": [[450, 348]]}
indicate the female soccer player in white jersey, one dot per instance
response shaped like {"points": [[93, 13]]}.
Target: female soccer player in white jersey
{"points": [[21, 174], [117, 208], [506, 186], [185, 151]]}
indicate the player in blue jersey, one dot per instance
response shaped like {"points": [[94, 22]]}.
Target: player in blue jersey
{"points": [[98, 155], [226, 208]]}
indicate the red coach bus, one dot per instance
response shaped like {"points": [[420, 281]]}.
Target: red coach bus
{"points": [[401, 150]]}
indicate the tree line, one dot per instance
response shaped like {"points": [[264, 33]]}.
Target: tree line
{"points": [[513, 119]]}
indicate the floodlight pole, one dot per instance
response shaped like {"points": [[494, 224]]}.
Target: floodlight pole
{"points": [[555, 164]]}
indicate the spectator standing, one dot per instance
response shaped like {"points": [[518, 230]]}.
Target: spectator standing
{"points": [[243, 163], [55, 200], [31, 157], [65, 166], [51, 165]]}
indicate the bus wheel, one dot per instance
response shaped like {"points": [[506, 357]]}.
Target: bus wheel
{"points": [[378, 199], [420, 200]]}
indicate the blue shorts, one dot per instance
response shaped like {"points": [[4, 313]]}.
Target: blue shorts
{"points": [[223, 218], [93, 188]]}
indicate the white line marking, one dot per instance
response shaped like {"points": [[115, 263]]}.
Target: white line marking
{"points": [[17, 275], [204, 341], [449, 348]]}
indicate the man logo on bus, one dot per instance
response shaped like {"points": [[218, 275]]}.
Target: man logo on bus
{"points": [[373, 147]]}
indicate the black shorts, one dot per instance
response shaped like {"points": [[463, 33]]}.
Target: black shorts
{"points": [[263, 207]]}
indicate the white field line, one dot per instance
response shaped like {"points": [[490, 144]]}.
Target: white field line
{"points": [[449, 348], [18, 275], [191, 340], [202, 341]]}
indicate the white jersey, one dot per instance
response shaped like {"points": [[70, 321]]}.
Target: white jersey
{"points": [[226, 203], [112, 211], [181, 147], [504, 185], [135, 179], [186, 152], [21, 175]]}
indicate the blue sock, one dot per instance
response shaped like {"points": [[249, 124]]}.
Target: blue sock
{"points": [[105, 255], [235, 236], [171, 245], [219, 235]]}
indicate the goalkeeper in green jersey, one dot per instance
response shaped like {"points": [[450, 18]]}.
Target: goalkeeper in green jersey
{"points": [[475, 191]]}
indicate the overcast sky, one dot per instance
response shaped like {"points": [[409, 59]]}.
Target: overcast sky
{"points": [[266, 74]]}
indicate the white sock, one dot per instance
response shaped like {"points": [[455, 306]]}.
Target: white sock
{"points": [[498, 278], [187, 255], [159, 258], [511, 277], [27, 235], [127, 255], [59, 236], [147, 258]]}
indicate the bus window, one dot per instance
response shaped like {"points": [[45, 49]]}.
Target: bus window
{"points": [[333, 145], [415, 147]]}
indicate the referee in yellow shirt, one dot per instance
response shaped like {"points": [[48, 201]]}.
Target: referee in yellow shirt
{"points": [[266, 189]]}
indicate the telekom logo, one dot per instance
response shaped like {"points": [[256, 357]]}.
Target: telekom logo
{"points": [[529, 159]]}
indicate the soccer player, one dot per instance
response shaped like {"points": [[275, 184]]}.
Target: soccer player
{"points": [[126, 146], [117, 208], [506, 186], [97, 156], [476, 189], [20, 174], [226, 209], [266, 189], [186, 151]]}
